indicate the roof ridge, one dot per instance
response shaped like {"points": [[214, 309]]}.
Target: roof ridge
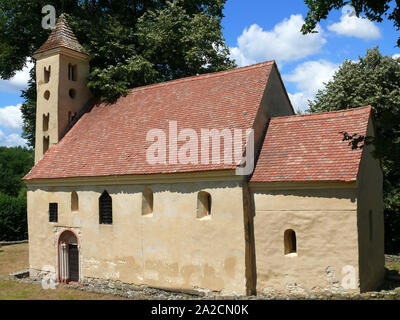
{"points": [[202, 76], [311, 116]]}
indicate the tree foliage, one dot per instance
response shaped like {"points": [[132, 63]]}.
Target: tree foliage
{"points": [[13, 218], [373, 80], [375, 10], [14, 164], [131, 43]]}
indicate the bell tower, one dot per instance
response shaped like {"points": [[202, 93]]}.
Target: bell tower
{"points": [[62, 67]]}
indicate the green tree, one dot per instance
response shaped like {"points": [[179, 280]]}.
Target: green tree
{"points": [[373, 80], [14, 164], [131, 43], [375, 10], [13, 218]]}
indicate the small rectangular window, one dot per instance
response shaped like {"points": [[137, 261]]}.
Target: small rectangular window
{"points": [[53, 212]]}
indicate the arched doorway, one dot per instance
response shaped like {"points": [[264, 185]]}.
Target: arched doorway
{"points": [[68, 257]]}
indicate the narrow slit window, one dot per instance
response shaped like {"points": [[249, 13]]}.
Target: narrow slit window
{"points": [[147, 201], [46, 118], [105, 208], [290, 241], [74, 201], [72, 72], [46, 141], [47, 74], [203, 204], [53, 212]]}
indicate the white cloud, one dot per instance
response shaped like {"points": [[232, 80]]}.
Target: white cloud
{"points": [[396, 56], [283, 43], [11, 140], [11, 117], [352, 26], [18, 82], [309, 77]]}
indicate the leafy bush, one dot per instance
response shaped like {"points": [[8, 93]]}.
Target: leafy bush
{"points": [[13, 218]]}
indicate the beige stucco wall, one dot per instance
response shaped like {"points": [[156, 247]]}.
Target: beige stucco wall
{"points": [[46, 106], [325, 221], [170, 248], [370, 199]]}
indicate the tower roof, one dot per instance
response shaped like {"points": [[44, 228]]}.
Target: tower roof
{"points": [[61, 36]]}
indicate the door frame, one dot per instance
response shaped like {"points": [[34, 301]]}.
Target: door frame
{"points": [[60, 236]]}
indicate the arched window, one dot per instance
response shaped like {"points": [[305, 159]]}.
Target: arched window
{"points": [[105, 208], [46, 142], [203, 204], [147, 201], [46, 118], [290, 241], [74, 201]]}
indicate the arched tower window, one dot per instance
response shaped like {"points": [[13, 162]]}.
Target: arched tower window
{"points": [[46, 144], [203, 204], [46, 118], [105, 208], [290, 241], [147, 201], [74, 201]]}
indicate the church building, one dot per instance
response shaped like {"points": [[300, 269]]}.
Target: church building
{"points": [[114, 195]]}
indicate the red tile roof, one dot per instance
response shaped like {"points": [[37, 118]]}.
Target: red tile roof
{"points": [[311, 147], [61, 36], [111, 138]]}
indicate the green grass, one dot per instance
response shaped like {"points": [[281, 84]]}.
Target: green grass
{"points": [[14, 258], [393, 266]]}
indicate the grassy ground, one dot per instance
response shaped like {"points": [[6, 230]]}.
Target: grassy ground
{"points": [[14, 258], [393, 266]]}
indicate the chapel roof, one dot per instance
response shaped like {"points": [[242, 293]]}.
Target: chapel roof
{"points": [[61, 36], [110, 140], [311, 148]]}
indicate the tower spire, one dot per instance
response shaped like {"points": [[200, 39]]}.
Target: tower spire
{"points": [[62, 68], [61, 37]]}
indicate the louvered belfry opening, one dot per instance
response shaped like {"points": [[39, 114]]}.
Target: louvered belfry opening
{"points": [[105, 208]]}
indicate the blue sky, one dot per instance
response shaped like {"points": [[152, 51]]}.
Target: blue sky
{"points": [[260, 30]]}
